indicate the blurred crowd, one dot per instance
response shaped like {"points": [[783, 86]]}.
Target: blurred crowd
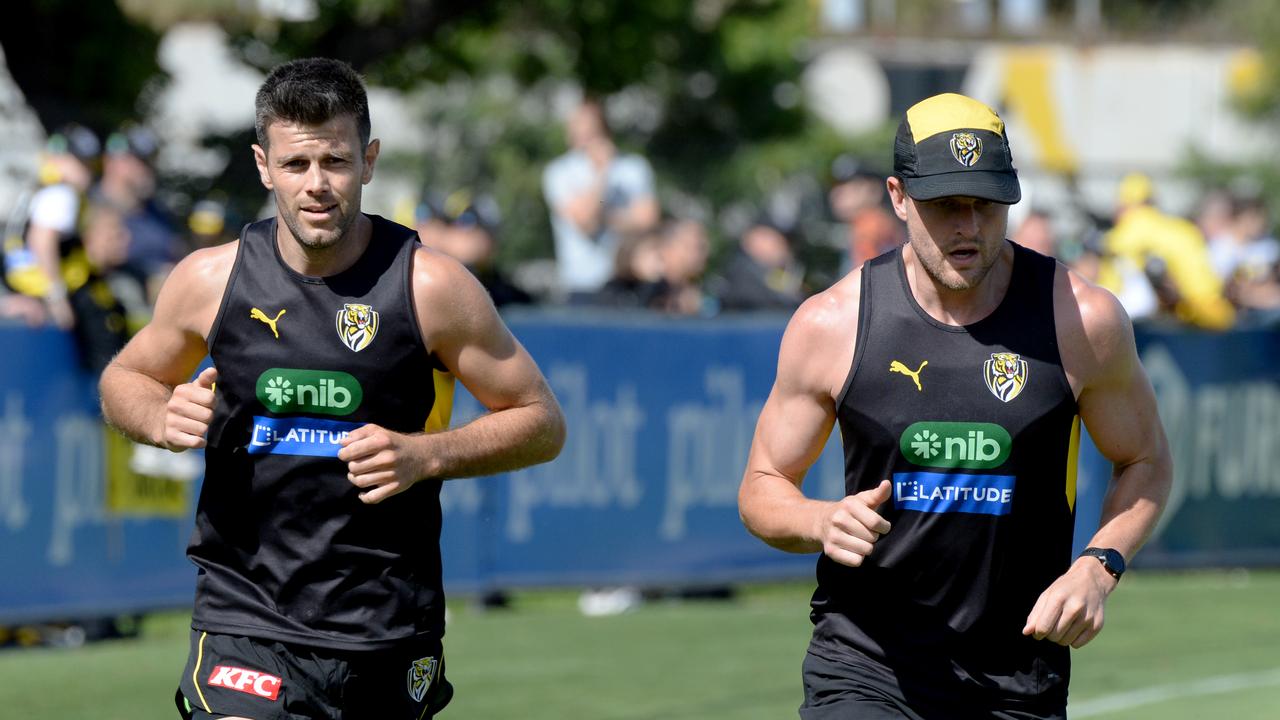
{"points": [[87, 249], [1215, 270]]}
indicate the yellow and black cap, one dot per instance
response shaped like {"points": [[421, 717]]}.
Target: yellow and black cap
{"points": [[953, 145]]}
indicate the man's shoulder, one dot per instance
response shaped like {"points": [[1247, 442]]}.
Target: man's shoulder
{"points": [[1097, 307], [631, 161], [193, 290], [569, 164], [633, 169], [828, 319], [1093, 327], [209, 263], [58, 192], [437, 275], [819, 341], [55, 206]]}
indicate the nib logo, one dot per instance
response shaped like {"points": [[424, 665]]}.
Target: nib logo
{"points": [[293, 390], [971, 445], [926, 444], [279, 390]]}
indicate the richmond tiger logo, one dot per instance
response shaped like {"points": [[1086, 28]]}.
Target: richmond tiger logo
{"points": [[1006, 375], [421, 673], [357, 325], [966, 148]]}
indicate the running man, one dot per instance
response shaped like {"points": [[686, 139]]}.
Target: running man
{"points": [[959, 368], [334, 337]]}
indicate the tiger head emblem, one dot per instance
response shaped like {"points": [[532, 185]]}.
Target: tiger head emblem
{"points": [[1005, 375], [421, 673], [357, 325], [966, 148]]}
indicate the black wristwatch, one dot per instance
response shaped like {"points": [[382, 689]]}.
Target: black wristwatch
{"points": [[1112, 561]]}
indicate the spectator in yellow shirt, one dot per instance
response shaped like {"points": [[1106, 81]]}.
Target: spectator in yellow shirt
{"points": [[1174, 254]]}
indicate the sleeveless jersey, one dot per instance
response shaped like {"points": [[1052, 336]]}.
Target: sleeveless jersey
{"points": [[977, 429], [284, 547]]}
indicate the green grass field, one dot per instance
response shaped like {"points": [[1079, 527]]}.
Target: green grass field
{"points": [[1196, 645]]}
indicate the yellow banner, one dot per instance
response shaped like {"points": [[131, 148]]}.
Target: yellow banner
{"points": [[129, 493]]}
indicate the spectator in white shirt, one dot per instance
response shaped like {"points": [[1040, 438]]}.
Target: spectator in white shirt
{"points": [[596, 195], [53, 218]]}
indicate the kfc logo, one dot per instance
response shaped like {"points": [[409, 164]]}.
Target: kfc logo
{"points": [[246, 681]]}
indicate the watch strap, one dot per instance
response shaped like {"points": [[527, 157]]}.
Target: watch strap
{"points": [[1112, 561]]}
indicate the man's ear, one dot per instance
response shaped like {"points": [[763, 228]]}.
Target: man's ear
{"points": [[370, 159], [898, 196], [260, 159]]}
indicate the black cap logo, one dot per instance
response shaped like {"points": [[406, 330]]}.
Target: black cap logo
{"points": [[966, 148]]}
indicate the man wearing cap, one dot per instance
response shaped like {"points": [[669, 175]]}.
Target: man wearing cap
{"points": [[959, 368], [129, 185]]}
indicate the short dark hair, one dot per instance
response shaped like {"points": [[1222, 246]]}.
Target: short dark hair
{"points": [[311, 91]]}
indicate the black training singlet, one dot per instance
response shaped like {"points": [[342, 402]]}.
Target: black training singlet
{"points": [[976, 427], [285, 548]]}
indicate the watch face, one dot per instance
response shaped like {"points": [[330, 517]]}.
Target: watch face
{"points": [[1115, 561], [1111, 559]]}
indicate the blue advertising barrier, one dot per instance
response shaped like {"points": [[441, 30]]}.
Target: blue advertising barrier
{"points": [[72, 544], [1219, 398], [660, 415]]}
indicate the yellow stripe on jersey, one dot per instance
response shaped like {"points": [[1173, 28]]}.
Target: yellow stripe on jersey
{"points": [[195, 680], [1073, 455], [442, 409]]}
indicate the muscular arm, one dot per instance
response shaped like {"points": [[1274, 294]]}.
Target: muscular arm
{"points": [[817, 350], [523, 425], [144, 390], [1118, 407]]}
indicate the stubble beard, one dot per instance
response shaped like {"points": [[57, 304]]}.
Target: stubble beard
{"points": [[318, 240], [935, 264]]}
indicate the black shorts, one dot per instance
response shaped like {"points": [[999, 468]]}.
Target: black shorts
{"points": [[837, 690], [228, 675]]}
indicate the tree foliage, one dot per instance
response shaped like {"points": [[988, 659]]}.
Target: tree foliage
{"points": [[707, 90], [79, 61], [1255, 89]]}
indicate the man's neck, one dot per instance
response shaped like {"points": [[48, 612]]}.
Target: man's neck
{"points": [[323, 262], [960, 307]]}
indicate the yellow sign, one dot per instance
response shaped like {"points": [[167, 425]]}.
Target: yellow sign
{"points": [[129, 493]]}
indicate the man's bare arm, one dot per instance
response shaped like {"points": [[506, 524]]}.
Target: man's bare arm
{"points": [[1118, 407], [523, 426], [145, 393], [817, 350], [43, 242]]}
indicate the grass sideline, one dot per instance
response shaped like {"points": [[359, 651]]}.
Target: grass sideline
{"points": [[1168, 635]]}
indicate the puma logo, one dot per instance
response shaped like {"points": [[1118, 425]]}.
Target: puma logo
{"points": [[897, 367], [257, 314]]}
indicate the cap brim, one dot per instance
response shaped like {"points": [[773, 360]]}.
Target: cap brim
{"points": [[1001, 187]]}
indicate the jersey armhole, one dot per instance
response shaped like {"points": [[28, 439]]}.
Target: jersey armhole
{"points": [[859, 344], [226, 291]]}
